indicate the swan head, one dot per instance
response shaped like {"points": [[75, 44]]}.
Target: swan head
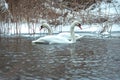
{"points": [[44, 25], [77, 23]]}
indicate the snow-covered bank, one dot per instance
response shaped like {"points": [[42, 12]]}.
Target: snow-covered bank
{"points": [[34, 29]]}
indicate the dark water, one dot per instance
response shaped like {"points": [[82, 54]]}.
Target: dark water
{"points": [[87, 59]]}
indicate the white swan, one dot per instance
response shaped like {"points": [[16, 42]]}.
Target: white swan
{"points": [[50, 39], [105, 30], [66, 35]]}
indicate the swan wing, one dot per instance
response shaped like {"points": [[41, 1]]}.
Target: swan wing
{"points": [[51, 39], [68, 36], [65, 35]]}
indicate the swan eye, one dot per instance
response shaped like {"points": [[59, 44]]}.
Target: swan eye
{"points": [[41, 27], [79, 24]]}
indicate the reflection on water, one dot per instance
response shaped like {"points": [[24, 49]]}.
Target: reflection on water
{"points": [[88, 59]]}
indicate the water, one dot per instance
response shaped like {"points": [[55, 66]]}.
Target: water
{"points": [[87, 59]]}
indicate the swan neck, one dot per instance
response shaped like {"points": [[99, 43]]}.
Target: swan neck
{"points": [[49, 30], [72, 33]]}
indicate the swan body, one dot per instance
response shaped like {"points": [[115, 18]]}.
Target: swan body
{"points": [[50, 39], [67, 35]]}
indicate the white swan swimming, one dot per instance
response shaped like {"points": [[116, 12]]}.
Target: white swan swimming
{"points": [[66, 35], [50, 39]]}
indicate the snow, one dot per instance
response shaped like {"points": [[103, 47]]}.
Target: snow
{"points": [[110, 8]]}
